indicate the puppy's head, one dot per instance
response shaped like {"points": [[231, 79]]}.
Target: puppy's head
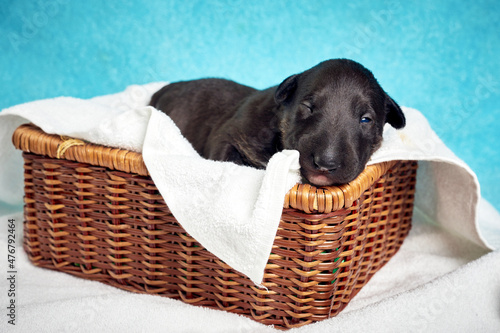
{"points": [[334, 114]]}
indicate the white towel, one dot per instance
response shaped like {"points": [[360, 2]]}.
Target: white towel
{"points": [[447, 190], [435, 283], [233, 211]]}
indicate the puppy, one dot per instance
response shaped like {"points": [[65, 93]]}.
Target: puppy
{"points": [[333, 114]]}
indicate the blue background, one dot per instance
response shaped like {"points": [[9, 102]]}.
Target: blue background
{"points": [[440, 57]]}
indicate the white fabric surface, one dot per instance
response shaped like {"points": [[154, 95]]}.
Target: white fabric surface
{"points": [[446, 233], [437, 282]]}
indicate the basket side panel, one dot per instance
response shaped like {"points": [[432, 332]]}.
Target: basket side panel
{"points": [[338, 253], [31, 241], [387, 209], [102, 225]]}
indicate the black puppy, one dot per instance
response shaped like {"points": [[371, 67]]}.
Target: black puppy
{"points": [[333, 114]]}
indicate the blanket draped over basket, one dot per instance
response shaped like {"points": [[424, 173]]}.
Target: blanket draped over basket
{"points": [[99, 212]]}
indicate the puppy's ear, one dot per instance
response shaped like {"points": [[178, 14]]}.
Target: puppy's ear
{"points": [[394, 115], [286, 89]]}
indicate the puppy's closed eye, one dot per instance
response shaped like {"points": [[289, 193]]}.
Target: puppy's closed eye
{"points": [[306, 109], [308, 106]]}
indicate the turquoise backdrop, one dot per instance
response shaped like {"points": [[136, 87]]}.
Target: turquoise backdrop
{"points": [[440, 57]]}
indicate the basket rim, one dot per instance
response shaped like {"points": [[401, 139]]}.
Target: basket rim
{"points": [[308, 198]]}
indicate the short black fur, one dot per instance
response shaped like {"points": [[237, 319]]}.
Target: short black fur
{"points": [[333, 114]]}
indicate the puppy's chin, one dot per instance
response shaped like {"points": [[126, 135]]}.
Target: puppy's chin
{"points": [[324, 178], [319, 179]]}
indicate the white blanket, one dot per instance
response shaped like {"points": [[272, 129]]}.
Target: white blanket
{"points": [[233, 211], [433, 284], [442, 279]]}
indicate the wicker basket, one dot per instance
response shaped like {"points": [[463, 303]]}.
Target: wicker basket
{"points": [[97, 214]]}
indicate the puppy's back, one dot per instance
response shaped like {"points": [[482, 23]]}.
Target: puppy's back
{"points": [[198, 106]]}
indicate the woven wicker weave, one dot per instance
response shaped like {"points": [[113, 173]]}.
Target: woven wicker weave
{"points": [[96, 214]]}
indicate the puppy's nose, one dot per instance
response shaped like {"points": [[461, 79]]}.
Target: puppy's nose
{"points": [[325, 163]]}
